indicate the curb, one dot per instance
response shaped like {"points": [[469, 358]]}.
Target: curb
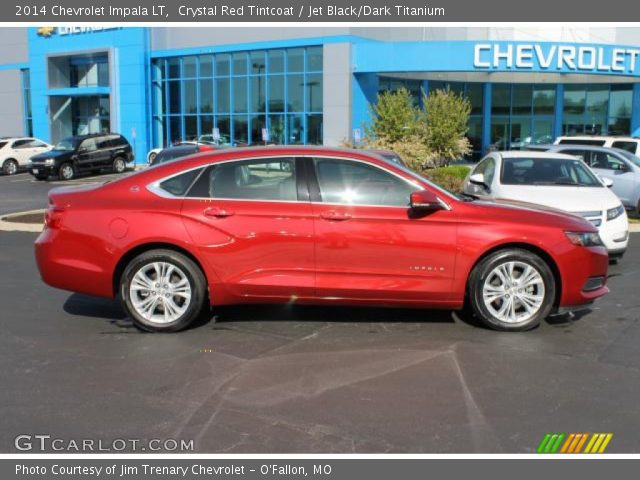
{"points": [[20, 227], [634, 227]]}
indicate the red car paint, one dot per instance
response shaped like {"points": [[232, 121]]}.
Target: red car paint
{"points": [[305, 252]]}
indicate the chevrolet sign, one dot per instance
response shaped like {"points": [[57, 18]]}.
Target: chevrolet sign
{"points": [[551, 57]]}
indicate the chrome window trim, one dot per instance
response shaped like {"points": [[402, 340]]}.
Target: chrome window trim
{"points": [[154, 187]]}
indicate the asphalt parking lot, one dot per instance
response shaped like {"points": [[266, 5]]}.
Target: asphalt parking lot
{"points": [[272, 379]]}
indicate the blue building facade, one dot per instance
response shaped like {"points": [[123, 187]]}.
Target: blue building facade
{"points": [[157, 86]]}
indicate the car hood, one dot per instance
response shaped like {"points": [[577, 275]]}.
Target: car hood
{"points": [[50, 154], [568, 199]]}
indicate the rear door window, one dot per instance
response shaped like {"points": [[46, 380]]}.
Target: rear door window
{"points": [[257, 179], [179, 184]]}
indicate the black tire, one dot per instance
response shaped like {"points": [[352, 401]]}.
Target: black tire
{"points": [[195, 277], [41, 177], [10, 167], [484, 269], [66, 171], [152, 157], [119, 165]]}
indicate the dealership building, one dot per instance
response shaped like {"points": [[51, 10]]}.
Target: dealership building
{"points": [[313, 85]]}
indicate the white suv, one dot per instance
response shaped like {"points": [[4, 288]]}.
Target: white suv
{"points": [[16, 152], [630, 144]]}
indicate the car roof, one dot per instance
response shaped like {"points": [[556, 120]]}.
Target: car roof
{"points": [[535, 154], [593, 148]]}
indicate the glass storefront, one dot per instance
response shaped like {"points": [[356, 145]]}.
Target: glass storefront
{"points": [[597, 109], [524, 114], [242, 94]]}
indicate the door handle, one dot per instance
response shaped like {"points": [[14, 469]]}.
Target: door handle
{"points": [[217, 212], [335, 216]]}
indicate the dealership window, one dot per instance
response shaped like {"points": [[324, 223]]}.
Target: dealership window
{"points": [[241, 94], [26, 99], [89, 71], [521, 114], [600, 109]]}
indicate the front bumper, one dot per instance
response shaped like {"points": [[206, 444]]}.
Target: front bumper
{"points": [[578, 268], [615, 234], [41, 169]]}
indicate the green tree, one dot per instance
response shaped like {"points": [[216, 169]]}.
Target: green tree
{"points": [[445, 122], [394, 117]]}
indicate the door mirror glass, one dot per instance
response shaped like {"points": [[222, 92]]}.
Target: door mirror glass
{"points": [[425, 201]]}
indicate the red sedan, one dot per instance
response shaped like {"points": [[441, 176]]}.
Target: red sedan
{"points": [[312, 225]]}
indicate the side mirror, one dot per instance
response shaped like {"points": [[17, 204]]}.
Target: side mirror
{"points": [[425, 201], [477, 179], [607, 182]]}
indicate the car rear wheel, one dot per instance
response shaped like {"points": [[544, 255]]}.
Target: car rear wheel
{"points": [[10, 167], [512, 290], [66, 171], [163, 291], [119, 165]]}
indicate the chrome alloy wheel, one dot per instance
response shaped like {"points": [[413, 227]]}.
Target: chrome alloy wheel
{"points": [[160, 292], [513, 292], [66, 172]]}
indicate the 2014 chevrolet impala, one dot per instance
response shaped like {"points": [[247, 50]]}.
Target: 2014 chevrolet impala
{"points": [[312, 225]]}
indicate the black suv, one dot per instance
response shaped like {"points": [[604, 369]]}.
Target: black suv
{"points": [[83, 153]]}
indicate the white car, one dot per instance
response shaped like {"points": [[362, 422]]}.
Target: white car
{"points": [[553, 180], [16, 152], [630, 144]]}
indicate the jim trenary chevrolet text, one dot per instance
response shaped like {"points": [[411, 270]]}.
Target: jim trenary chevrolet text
{"points": [[312, 225]]}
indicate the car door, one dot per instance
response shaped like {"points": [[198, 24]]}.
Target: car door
{"points": [[20, 151], [252, 222], [368, 246], [611, 166], [87, 152]]}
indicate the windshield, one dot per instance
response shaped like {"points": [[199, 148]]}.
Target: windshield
{"points": [[631, 157], [547, 171], [66, 145]]}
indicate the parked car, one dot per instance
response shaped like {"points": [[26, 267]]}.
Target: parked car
{"points": [[153, 153], [390, 156], [619, 166], [553, 180], [16, 151], [336, 227], [83, 153], [630, 144], [173, 153]]}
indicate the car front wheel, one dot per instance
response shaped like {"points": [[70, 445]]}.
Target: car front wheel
{"points": [[163, 291], [512, 290]]}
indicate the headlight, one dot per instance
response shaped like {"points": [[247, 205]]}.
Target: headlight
{"points": [[615, 212], [49, 161], [584, 239]]}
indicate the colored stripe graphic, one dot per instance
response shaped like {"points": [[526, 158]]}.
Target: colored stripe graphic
{"points": [[574, 442]]}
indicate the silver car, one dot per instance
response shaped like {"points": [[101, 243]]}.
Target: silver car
{"points": [[620, 166]]}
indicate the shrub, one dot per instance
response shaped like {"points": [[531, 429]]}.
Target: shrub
{"points": [[450, 178], [446, 118]]}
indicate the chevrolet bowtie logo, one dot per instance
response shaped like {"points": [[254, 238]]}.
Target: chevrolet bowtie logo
{"points": [[46, 31]]}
